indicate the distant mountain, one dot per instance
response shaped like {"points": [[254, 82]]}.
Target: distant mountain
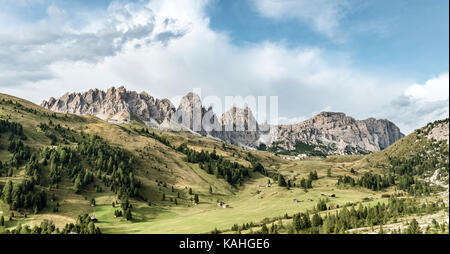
{"points": [[247, 131], [117, 105], [336, 133], [327, 132]]}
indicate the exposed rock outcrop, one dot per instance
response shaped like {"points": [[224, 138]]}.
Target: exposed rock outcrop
{"points": [[118, 105], [336, 133], [190, 113], [439, 130], [239, 127], [331, 133], [236, 126]]}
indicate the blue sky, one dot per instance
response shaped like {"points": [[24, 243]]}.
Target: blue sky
{"points": [[387, 59], [400, 37]]}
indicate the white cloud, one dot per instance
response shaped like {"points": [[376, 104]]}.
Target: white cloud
{"points": [[28, 51], [433, 90], [323, 15], [420, 104], [307, 80]]}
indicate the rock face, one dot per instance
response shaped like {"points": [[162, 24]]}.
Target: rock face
{"points": [[331, 133], [239, 127], [236, 126], [439, 130], [117, 105], [336, 133], [190, 113]]}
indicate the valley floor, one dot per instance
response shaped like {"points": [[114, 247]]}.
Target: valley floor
{"points": [[165, 171]]}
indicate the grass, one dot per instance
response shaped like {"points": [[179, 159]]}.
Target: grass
{"points": [[158, 162], [246, 206]]}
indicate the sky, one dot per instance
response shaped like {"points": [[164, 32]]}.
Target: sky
{"points": [[366, 58]]}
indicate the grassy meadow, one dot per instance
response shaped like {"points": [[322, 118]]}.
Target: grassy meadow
{"points": [[157, 162]]}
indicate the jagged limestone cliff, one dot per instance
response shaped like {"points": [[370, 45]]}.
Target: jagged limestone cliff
{"points": [[328, 132], [336, 133], [117, 105]]}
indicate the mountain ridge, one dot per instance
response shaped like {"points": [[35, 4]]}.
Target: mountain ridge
{"points": [[341, 134], [329, 132]]}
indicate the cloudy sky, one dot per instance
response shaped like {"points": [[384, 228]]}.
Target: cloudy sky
{"points": [[380, 58]]}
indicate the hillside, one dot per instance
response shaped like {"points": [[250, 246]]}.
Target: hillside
{"points": [[135, 179], [424, 154], [157, 165]]}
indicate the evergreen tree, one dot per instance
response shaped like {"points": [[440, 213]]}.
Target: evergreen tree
{"points": [[7, 192], [77, 184], [322, 205], [316, 220], [413, 227], [281, 181], [91, 227], [128, 215], [264, 229], [381, 231], [326, 226], [196, 199]]}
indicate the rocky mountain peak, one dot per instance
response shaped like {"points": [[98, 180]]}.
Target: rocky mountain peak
{"points": [[240, 117], [332, 132], [190, 101], [331, 114], [190, 112], [116, 104]]}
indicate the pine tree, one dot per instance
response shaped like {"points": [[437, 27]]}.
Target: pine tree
{"points": [[326, 227], [264, 229], [281, 181], [77, 184], [196, 199], [413, 228], [128, 215], [7, 192], [316, 220], [381, 231]]}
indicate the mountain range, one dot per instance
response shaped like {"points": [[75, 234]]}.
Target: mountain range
{"points": [[326, 133]]}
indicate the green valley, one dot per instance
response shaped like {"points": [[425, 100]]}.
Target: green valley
{"points": [[68, 173]]}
